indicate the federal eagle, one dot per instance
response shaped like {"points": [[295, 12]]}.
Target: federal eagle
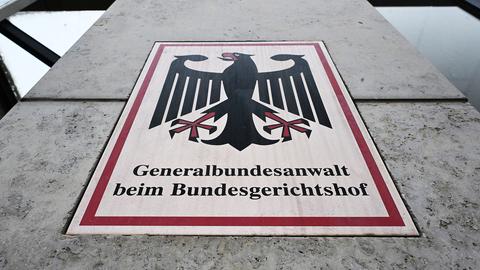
{"points": [[295, 85]]}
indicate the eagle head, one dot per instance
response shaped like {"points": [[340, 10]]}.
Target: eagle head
{"points": [[235, 56]]}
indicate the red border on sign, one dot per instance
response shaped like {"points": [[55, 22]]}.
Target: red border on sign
{"points": [[90, 219]]}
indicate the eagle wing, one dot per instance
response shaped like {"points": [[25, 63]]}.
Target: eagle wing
{"points": [[182, 79], [296, 81]]}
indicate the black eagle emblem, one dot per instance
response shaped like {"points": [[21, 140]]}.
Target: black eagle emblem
{"points": [[239, 82]]}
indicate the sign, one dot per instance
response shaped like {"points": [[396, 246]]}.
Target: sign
{"points": [[251, 138]]}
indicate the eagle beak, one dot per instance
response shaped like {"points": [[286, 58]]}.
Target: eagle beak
{"points": [[228, 57]]}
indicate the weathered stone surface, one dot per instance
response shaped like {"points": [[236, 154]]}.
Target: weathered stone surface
{"points": [[374, 59], [49, 149], [45, 149]]}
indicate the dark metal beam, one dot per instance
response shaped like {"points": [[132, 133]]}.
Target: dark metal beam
{"points": [[470, 6], [62, 5], [28, 43], [412, 3], [8, 94], [8, 8]]}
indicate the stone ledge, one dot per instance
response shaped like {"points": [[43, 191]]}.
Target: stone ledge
{"points": [[373, 58]]}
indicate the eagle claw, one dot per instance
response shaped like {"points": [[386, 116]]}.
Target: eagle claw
{"points": [[287, 126], [193, 126]]}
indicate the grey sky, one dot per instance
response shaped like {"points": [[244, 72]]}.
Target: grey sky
{"points": [[56, 30]]}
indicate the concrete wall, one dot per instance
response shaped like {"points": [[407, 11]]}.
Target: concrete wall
{"points": [[427, 133]]}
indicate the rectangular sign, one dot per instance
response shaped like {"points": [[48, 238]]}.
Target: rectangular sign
{"points": [[250, 138]]}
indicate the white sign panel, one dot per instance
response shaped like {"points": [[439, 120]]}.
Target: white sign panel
{"points": [[251, 138]]}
